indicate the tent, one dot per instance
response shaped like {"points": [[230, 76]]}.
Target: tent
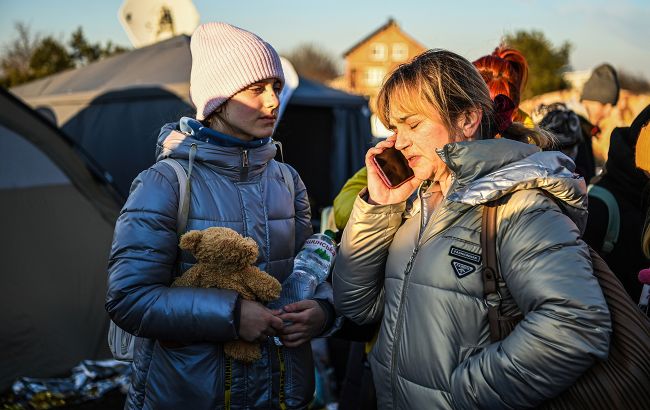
{"points": [[114, 108], [56, 217]]}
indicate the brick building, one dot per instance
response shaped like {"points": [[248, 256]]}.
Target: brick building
{"points": [[368, 61]]}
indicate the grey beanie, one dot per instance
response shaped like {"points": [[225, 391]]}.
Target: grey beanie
{"points": [[602, 86]]}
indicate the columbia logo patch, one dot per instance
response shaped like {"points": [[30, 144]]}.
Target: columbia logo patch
{"points": [[461, 268], [465, 255]]}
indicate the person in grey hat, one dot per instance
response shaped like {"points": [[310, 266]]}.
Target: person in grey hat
{"points": [[600, 93]]}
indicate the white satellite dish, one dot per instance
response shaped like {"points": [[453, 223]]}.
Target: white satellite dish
{"points": [[149, 21]]}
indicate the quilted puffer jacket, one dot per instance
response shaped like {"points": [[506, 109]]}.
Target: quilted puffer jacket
{"points": [[418, 270], [234, 187]]}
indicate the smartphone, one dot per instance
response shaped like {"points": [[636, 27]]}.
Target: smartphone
{"points": [[393, 167]]}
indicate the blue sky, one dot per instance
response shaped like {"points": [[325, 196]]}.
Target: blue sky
{"points": [[617, 32]]}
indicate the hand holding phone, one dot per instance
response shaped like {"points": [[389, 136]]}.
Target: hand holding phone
{"points": [[393, 167]]}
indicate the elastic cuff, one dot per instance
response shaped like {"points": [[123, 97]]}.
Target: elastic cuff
{"points": [[330, 314], [236, 315]]}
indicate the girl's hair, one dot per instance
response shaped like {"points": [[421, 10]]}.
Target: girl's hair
{"points": [[505, 71], [444, 82]]}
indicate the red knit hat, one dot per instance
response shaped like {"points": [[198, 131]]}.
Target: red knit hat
{"points": [[225, 60]]}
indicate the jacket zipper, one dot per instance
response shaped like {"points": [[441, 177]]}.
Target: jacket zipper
{"points": [[400, 312], [243, 173]]}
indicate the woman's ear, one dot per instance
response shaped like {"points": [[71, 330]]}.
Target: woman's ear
{"points": [[470, 122]]}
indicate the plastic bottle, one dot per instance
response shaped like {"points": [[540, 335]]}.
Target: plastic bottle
{"points": [[311, 266]]}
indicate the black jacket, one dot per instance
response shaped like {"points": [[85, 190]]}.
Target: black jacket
{"points": [[631, 188]]}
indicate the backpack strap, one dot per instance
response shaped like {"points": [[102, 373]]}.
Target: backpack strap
{"points": [[614, 215], [288, 178], [184, 187], [491, 268]]}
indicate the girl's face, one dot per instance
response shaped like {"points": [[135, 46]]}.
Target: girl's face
{"points": [[417, 137], [252, 112]]}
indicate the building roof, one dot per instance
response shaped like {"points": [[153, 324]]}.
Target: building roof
{"points": [[390, 23]]}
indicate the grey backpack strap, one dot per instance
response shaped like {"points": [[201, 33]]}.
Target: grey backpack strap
{"points": [[288, 178], [185, 189], [183, 194], [614, 216], [120, 342]]}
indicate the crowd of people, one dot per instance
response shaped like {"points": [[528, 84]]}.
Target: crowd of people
{"points": [[409, 267]]}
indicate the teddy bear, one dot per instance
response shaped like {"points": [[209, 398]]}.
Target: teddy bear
{"points": [[225, 260]]}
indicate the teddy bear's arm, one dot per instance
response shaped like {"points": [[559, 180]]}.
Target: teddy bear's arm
{"points": [[263, 285], [190, 278]]}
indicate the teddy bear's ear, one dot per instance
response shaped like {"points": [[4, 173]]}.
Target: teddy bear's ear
{"points": [[191, 240]]}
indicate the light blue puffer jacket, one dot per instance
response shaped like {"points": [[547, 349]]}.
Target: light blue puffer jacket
{"points": [[253, 200]]}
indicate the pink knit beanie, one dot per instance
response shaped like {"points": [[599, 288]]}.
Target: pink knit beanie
{"points": [[225, 60]]}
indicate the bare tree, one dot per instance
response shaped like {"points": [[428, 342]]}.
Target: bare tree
{"points": [[314, 63], [16, 56]]}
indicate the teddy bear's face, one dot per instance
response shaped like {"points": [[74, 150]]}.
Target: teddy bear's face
{"points": [[221, 246]]}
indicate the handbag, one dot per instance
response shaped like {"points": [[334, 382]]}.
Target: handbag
{"points": [[621, 381]]}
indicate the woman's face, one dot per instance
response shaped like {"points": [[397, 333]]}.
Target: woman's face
{"points": [[417, 137], [252, 112]]}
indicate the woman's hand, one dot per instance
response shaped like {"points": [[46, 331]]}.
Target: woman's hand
{"points": [[256, 322], [307, 319], [378, 192]]}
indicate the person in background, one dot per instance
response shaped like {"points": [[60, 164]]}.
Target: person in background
{"points": [[236, 78], [599, 95], [416, 267], [565, 126], [505, 71], [630, 188]]}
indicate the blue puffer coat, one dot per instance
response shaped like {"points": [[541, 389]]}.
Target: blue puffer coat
{"points": [[253, 200]]}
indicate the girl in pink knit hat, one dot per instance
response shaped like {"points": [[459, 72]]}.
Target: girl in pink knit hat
{"points": [[228, 154]]}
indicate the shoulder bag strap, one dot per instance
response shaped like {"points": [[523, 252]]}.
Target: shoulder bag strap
{"points": [[491, 268]]}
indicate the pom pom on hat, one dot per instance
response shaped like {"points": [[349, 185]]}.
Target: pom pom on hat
{"points": [[225, 60]]}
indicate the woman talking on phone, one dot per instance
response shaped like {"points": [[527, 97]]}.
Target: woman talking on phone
{"points": [[415, 264]]}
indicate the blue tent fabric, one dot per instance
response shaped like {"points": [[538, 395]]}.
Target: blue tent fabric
{"points": [[114, 108]]}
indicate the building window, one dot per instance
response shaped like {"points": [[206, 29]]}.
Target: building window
{"points": [[374, 76], [378, 52], [400, 51]]}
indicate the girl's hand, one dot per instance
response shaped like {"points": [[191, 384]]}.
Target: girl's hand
{"points": [[307, 319], [256, 322], [379, 193]]}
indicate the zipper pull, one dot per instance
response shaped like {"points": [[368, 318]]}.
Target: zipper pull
{"points": [[244, 158], [409, 265], [243, 173]]}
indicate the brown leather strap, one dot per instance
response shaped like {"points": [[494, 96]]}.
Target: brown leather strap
{"points": [[491, 268]]}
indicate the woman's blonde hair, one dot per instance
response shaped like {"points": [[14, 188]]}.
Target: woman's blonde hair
{"points": [[448, 84]]}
